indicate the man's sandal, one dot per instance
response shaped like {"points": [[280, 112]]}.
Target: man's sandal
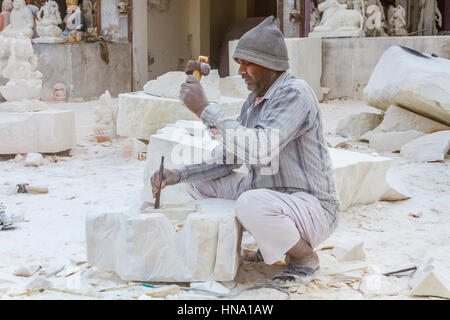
{"points": [[296, 275], [254, 256]]}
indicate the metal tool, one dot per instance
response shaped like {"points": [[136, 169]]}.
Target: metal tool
{"points": [[161, 174], [412, 268], [26, 188]]}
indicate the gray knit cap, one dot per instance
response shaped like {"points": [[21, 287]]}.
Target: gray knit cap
{"points": [[264, 45]]}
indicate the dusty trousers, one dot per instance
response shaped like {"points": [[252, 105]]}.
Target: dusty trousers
{"points": [[276, 220]]}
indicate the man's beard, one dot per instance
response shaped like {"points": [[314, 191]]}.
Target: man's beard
{"points": [[253, 87]]}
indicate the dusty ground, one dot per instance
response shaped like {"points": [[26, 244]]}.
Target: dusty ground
{"points": [[96, 177]]}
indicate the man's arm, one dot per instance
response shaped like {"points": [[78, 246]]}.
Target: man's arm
{"points": [[283, 121]]}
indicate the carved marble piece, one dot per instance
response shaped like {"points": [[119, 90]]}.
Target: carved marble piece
{"points": [[430, 15], [21, 21], [74, 21], [374, 25], [7, 7], [25, 81], [48, 19], [106, 115], [397, 19], [59, 92], [338, 21]]}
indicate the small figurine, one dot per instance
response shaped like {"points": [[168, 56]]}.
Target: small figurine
{"points": [[7, 6], [48, 19], [74, 22], [21, 21]]}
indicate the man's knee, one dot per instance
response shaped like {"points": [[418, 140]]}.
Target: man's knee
{"points": [[249, 205]]}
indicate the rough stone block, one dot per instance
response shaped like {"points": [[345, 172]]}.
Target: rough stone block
{"points": [[350, 252], [146, 246], [395, 189], [416, 81], [47, 131], [360, 178], [168, 85], [399, 119], [234, 86], [431, 147], [140, 114]]}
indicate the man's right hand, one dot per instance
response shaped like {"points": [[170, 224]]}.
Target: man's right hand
{"points": [[170, 177]]}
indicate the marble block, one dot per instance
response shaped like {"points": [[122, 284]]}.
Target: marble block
{"points": [[360, 178], [413, 80], [355, 125], [140, 114], [431, 280], [393, 141], [168, 85], [234, 86], [48, 131], [147, 247], [337, 34]]}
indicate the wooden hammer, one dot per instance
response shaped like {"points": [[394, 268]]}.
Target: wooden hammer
{"points": [[197, 73]]}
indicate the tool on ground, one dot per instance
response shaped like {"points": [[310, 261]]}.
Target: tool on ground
{"points": [[413, 268], [197, 73], [26, 188], [161, 174]]}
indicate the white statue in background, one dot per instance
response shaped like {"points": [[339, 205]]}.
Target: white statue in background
{"points": [[25, 81], [106, 116], [429, 16], [336, 17], [48, 19], [397, 19], [375, 22], [21, 21]]}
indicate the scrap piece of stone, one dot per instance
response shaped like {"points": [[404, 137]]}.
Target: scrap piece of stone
{"points": [[34, 160], [337, 142], [377, 284], [413, 80], [395, 188], [355, 125], [48, 131], [234, 86], [39, 283], [163, 291], [393, 141], [431, 147], [140, 114], [26, 270], [431, 281], [169, 85], [399, 119], [350, 252]]}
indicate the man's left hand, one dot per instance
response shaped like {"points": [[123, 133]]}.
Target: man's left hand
{"points": [[193, 95]]}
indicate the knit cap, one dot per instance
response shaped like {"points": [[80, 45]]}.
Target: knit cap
{"points": [[264, 45]]}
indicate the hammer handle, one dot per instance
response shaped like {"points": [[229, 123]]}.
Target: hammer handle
{"points": [[197, 73], [36, 190]]}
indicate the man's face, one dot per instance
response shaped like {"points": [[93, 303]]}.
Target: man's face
{"points": [[256, 77]]}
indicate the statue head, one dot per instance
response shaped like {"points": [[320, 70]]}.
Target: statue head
{"points": [[71, 2], [7, 5], [19, 4], [59, 92]]}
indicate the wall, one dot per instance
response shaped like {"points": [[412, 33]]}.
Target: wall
{"points": [[348, 62], [169, 44], [80, 67]]}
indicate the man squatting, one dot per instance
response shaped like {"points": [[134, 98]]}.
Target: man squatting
{"points": [[292, 210]]}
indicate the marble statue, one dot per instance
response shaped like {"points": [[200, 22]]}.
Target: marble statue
{"points": [[397, 19], [337, 20], [375, 23], [25, 81], [21, 21], [59, 92], [48, 19], [106, 117], [429, 16], [74, 22], [89, 14], [5, 44], [7, 6]]}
